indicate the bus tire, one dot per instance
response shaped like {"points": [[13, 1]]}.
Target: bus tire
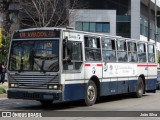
{"points": [[91, 93], [140, 88], [46, 102]]}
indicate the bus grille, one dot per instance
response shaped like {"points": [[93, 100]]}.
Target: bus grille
{"points": [[33, 81]]}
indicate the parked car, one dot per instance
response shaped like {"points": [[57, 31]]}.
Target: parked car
{"points": [[158, 79]]}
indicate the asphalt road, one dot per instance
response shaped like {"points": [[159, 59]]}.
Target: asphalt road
{"points": [[110, 106]]}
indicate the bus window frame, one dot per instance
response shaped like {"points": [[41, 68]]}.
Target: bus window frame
{"points": [[125, 49], [72, 61], [103, 49], [99, 49], [135, 52], [150, 53], [146, 51]]}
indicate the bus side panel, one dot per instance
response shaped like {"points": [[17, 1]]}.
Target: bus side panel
{"points": [[74, 91], [152, 76], [151, 84], [132, 85], [105, 87], [122, 85], [150, 73]]}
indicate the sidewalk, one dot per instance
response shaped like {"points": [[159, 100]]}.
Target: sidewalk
{"points": [[5, 86]]}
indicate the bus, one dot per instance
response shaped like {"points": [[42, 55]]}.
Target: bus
{"points": [[59, 64]]}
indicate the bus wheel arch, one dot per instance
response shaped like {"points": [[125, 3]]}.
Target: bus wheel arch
{"points": [[92, 91], [140, 88], [95, 79]]}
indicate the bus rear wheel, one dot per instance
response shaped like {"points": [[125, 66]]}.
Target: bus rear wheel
{"points": [[91, 94], [46, 102], [140, 88]]}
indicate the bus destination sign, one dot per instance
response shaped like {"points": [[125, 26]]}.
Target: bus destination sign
{"points": [[36, 34]]}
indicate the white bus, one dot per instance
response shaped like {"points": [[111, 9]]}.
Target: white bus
{"points": [[57, 64]]}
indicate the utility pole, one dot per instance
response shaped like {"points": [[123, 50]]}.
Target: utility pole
{"points": [[155, 22], [149, 15]]}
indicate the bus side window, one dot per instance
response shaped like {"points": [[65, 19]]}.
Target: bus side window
{"points": [[121, 51], [151, 53], [132, 52], [142, 52], [108, 50], [92, 49], [74, 54]]}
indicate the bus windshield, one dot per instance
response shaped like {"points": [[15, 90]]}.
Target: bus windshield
{"points": [[35, 55]]}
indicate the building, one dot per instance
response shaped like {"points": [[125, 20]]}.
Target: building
{"points": [[127, 18]]}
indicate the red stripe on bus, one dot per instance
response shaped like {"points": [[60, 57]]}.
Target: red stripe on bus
{"points": [[90, 65], [146, 65], [87, 64], [99, 64]]}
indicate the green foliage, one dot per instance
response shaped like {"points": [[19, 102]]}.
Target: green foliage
{"points": [[6, 34], [5, 47], [2, 90]]}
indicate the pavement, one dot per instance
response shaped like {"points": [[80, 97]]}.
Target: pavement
{"points": [[5, 86]]}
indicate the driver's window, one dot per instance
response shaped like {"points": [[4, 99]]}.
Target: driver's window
{"points": [[72, 55]]}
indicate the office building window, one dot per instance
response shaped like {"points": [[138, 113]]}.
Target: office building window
{"points": [[85, 26], [92, 27], [79, 26], [101, 27], [123, 29]]}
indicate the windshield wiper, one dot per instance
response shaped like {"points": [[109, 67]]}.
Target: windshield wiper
{"points": [[21, 66], [42, 66]]}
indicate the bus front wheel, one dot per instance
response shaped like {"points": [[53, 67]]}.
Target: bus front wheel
{"points": [[140, 88], [91, 93]]}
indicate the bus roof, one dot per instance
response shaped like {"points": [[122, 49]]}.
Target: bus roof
{"points": [[67, 29]]}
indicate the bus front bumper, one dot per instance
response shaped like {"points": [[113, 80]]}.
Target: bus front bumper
{"points": [[35, 94]]}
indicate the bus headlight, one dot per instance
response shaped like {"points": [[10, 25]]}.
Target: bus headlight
{"points": [[13, 85], [55, 87]]}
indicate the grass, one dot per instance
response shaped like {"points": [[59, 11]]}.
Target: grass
{"points": [[2, 90]]}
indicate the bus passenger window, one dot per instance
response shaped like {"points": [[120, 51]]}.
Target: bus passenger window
{"points": [[121, 51], [151, 54], [73, 56], [132, 57], [142, 52], [108, 50], [132, 52], [92, 49], [122, 56]]}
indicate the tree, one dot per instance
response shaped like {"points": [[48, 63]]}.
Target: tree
{"points": [[5, 27], [43, 13]]}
